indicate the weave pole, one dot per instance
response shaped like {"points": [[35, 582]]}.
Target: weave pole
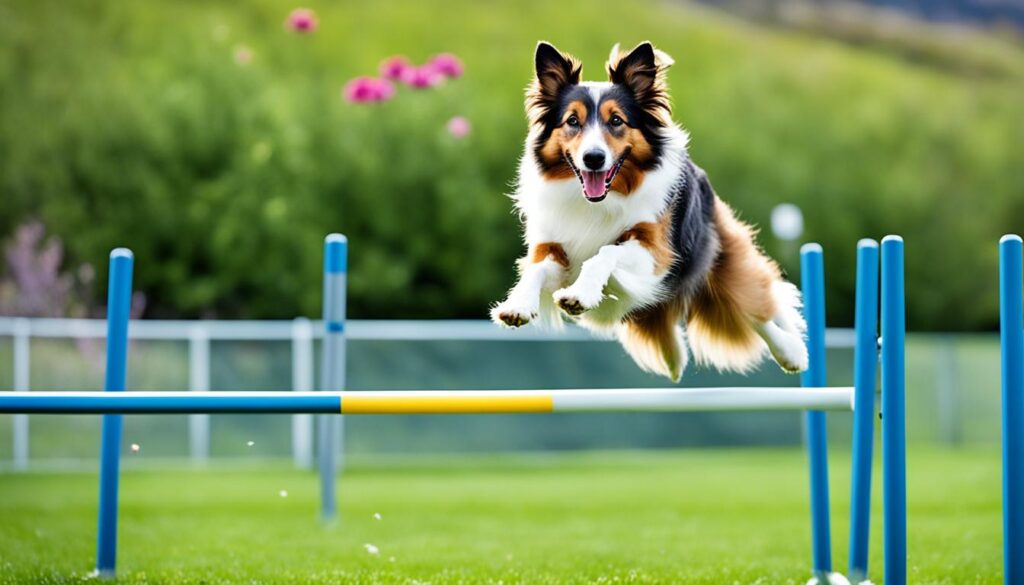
{"points": [[1011, 332], [865, 363], [894, 450], [812, 277], [119, 300], [330, 430]]}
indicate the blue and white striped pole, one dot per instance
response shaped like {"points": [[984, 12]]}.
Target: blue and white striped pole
{"points": [[812, 276], [1011, 329], [894, 450], [865, 364], [330, 429], [119, 300]]}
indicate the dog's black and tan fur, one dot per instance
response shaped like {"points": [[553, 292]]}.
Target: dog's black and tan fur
{"points": [[648, 246]]}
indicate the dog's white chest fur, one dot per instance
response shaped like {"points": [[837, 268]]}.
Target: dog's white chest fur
{"points": [[557, 212]]}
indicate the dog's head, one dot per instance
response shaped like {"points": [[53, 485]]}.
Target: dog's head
{"points": [[606, 134]]}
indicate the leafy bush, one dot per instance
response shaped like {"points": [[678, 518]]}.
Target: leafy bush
{"points": [[215, 143]]}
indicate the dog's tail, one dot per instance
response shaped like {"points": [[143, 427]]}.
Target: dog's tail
{"points": [[654, 339], [719, 339], [744, 288]]}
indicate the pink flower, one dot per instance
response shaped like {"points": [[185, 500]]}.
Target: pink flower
{"points": [[459, 127], [302, 20], [243, 55], [422, 77], [364, 90], [385, 90], [395, 67], [446, 64]]}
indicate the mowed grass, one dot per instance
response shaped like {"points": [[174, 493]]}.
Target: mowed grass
{"points": [[708, 516]]}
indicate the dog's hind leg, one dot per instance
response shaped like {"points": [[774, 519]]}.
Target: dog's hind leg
{"points": [[745, 307], [542, 270], [654, 339], [784, 332]]}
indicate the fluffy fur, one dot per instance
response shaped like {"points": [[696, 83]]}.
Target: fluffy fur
{"points": [[625, 235]]}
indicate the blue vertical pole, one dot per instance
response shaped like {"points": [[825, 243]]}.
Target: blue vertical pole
{"points": [[1011, 329], [119, 300], [865, 363], [812, 275], [333, 366], [894, 450]]}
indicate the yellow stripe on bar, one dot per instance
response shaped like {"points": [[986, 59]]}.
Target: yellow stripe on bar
{"points": [[446, 404]]}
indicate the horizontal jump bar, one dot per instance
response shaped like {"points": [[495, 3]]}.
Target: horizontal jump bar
{"points": [[431, 401]]}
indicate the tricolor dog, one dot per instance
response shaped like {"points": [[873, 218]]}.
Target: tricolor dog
{"points": [[625, 235]]}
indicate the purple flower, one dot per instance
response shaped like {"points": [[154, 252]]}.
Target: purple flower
{"points": [[395, 68], [364, 90], [422, 77], [459, 127], [35, 285], [138, 305], [302, 20], [447, 65]]}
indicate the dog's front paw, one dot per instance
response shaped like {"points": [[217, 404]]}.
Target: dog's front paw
{"points": [[508, 315], [576, 302]]}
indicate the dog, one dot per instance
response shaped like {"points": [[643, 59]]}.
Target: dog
{"points": [[625, 235]]}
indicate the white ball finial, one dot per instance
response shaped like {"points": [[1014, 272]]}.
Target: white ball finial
{"points": [[787, 222]]}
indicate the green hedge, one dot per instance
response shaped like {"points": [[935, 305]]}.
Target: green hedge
{"points": [[131, 124]]}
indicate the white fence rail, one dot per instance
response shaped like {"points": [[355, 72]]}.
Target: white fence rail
{"points": [[300, 332]]}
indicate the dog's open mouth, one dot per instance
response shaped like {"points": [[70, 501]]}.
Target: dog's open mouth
{"points": [[596, 184]]}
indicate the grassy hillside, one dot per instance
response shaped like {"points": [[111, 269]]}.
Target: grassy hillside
{"points": [[132, 124]]}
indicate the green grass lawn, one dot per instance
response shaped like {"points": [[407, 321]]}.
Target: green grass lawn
{"points": [[710, 516]]}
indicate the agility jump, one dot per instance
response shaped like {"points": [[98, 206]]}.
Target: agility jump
{"points": [[434, 401], [814, 398]]}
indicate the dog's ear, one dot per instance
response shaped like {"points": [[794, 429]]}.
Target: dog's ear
{"points": [[643, 70], [554, 72], [554, 69]]}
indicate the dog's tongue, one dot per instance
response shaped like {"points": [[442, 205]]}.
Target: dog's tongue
{"points": [[593, 184]]}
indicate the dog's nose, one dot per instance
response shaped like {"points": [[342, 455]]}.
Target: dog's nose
{"points": [[593, 160]]}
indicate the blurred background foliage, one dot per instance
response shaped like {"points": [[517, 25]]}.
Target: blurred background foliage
{"points": [[136, 124]]}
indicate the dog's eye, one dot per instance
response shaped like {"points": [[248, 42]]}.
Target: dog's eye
{"points": [[573, 121], [616, 121]]}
